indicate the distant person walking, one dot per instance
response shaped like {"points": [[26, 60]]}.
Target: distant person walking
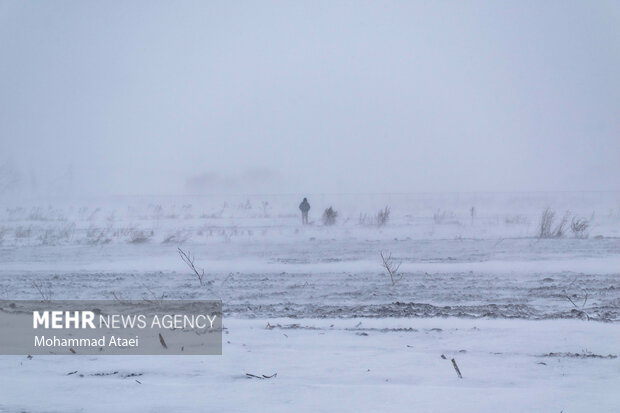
{"points": [[304, 207]]}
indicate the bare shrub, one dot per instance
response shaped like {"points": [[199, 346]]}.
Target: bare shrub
{"points": [[546, 221], [151, 297], [53, 236], [383, 216], [118, 297], [215, 215], [23, 232], [391, 267], [579, 308], [177, 237], [546, 228], [329, 216], [580, 226], [66, 231], [44, 290], [379, 219], [139, 236], [97, 236], [189, 260], [14, 214], [365, 220], [560, 229]]}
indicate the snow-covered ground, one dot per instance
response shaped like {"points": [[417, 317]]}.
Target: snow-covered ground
{"points": [[313, 304], [342, 365]]}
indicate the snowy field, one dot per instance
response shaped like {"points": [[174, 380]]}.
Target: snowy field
{"points": [[532, 323]]}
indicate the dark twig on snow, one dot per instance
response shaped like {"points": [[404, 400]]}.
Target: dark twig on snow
{"points": [[155, 298], [44, 290], [161, 340], [583, 305], [189, 260], [456, 368], [262, 376], [118, 297]]}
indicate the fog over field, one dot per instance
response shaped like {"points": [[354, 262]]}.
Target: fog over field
{"points": [[195, 97], [460, 161]]}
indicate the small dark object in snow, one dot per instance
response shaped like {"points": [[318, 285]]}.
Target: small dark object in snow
{"points": [[262, 377], [161, 340], [70, 373], [585, 355], [138, 381], [29, 357], [102, 374], [361, 334], [540, 362], [456, 368], [71, 350], [444, 357]]}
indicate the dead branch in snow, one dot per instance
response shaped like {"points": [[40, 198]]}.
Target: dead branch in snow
{"points": [[456, 368], [162, 342], [45, 290], [580, 309], [189, 260], [391, 268], [155, 298], [262, 376]]}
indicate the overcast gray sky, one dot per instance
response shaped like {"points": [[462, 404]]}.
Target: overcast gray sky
{"points": [[334, 96]]}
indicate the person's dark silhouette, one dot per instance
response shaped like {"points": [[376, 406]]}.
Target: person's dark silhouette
{"points": [[304, 207]]}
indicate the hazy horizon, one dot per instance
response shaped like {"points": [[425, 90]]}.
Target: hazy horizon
{"points": [[321, 97]]}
